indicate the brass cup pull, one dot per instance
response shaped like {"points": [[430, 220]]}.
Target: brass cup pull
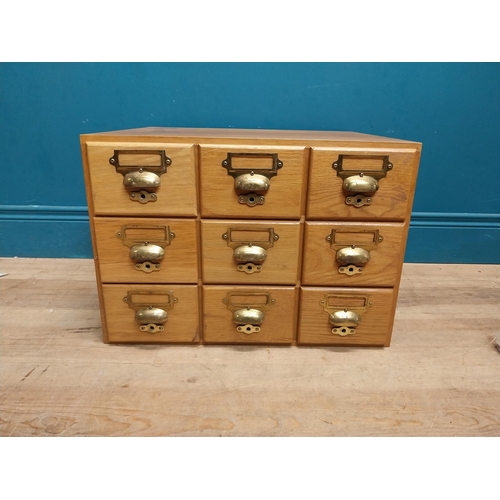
{"points": [[248, 309], [248, 320], [250, 253], [141, 170], [251, 182], [344, 322], [141, 180], [352, 259], [151, 319], [353, 255], [361, 184], [250, 186], [248, 316], [361, 174], [147, 252], [146, 245], [345, 318], [249, 258]]}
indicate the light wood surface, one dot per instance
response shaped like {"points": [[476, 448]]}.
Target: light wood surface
{"points": [[285, 198], [440, 377], [320, 263], [281, 266], [176, 195], [180, 261], [253, 135], [326, 197]]}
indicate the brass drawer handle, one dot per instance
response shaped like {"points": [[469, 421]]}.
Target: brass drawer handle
{"points": [[151, 309], [249, 309], [248, 320], [250, 244], [249, 258], [361, 184], [146, 251], [252, 182], [151, 319], [362, 179], [141, 179], [353, 257], [344, 311], [252, 173]]}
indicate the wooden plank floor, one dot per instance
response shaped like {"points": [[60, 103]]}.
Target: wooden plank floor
{"points": [[440, 377]]}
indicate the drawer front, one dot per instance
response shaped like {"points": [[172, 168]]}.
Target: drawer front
{"points": [[249, 315], [166, 313], [347, 254], [147, 250], [253, 182], [142, 178], [266, 252], [354, 316], [368, 184]]}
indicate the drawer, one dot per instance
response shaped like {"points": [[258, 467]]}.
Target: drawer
{"points": [[347, 254], [250, 252], [151, 313], [146, 250], [142, 178], [384, 191], [253, 182], [249, 315], [337, 316]]}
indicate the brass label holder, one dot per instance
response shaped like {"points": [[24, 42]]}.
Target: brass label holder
{"points": [[146, 253], [141, 181], [250, 253], [249, 311], [344, 318], [361, 180], [150, 314], [251, 184], [353, 257]]}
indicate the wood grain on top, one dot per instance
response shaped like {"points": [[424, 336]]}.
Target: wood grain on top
{"points": [[298, 136]]}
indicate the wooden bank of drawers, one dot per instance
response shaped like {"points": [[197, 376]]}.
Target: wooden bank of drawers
{"points": [[248, 236]]}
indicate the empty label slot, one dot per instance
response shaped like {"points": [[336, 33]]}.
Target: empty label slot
{"points": [[360, 164], [138, 159], [244, 300], [252, 163], [145, 234], [156, 300], [244, 235], [345, 302], [348, 238]]}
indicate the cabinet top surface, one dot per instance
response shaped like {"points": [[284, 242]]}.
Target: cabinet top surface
{"points": [[299, 136]]}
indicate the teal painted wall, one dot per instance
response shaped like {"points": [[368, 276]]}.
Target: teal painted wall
{"points": [[453, 109]]}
